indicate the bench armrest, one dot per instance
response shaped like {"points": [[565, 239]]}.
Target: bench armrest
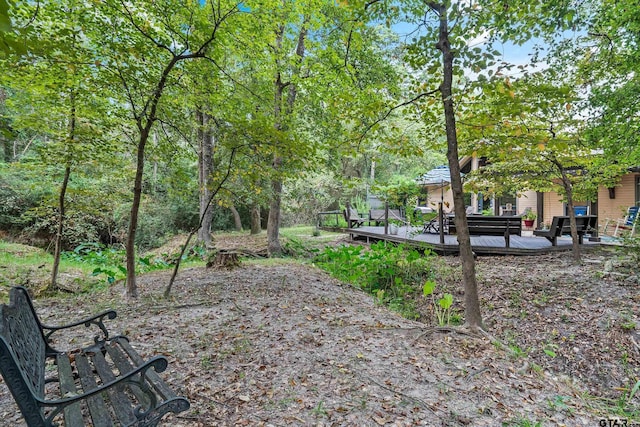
{"points": [[135, 376], [97, 320]]}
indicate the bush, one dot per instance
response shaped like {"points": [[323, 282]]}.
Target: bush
{"points": [[19, 195], [393, 274], [78, 227], [110, 262], [629, 252]]}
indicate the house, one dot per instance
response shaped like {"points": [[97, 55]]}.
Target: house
{"points": [[611, 203]]}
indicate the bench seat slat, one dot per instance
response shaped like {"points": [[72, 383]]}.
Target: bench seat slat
{"points": [[120, 402], [152, 376], [97, 407], [72, 413], [124, 365]]}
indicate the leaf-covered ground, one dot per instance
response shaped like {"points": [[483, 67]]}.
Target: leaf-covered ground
{"points": [[282, 343]]}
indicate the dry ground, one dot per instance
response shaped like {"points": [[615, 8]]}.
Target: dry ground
{"points": [[282, 343]]}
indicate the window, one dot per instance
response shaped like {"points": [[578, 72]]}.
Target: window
{"points": [[507, 204]]}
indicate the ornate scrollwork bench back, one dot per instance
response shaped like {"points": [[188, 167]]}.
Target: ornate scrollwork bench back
{"points": [[109, 370], [22, 354]]}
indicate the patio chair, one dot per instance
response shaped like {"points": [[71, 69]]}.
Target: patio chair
{"points": [[353, 218], [433, 226], [580, 210], [628, 222]]}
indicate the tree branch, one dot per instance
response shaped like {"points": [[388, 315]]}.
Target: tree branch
{"points": [[167, 291], [392, 109], [141, 31]]}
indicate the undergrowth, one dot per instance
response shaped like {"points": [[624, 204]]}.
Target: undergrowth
{"points": [[110, 262], [393, 274]]}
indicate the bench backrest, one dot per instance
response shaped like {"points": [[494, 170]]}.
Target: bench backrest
{"points": [[562, 224], [22, 350], [378, 214], [583, 224], [351, 214], [494, 225], [556, 225]]}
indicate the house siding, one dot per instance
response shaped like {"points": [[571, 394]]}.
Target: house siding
{"points": [[613, 209], [528, 199], [435, 196], [553, 206]]}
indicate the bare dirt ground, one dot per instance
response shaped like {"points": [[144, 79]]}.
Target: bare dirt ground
{"points": [[281, 343]]}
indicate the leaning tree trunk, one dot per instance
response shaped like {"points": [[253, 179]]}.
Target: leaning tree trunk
{"points": [[144, 123], [61, 198], [473, 317], [61, 213], [236, 218], [256, 224], [130, 245], [205, 169]]}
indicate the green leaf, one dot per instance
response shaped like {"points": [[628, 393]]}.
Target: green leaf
{"points": [[428, 288], [446, 301], [634, 390], [5, 21]]}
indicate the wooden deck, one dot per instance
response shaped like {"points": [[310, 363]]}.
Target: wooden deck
{"points": [[482, 245]]}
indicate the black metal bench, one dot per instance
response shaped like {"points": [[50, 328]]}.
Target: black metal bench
{"points": [[482, 225], [561, 225], [104, 384], [377, 216]]}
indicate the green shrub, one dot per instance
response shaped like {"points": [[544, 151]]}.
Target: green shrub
{"points": [[19, 193], [78, 226], [630, 248], [110, 262], [393, 274]]}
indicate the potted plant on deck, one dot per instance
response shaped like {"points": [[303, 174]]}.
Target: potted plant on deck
{"points": [[529, 217], [394, 226]]}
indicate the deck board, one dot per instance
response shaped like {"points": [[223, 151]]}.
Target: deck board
{"points": [[481, 245]]}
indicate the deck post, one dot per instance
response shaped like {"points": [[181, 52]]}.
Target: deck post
{"points": [[386, 217], [441, 223], [507, 234]]}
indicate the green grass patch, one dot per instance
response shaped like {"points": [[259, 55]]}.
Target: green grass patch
{"points": [[309, 233]]}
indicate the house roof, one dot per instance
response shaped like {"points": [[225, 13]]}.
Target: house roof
{"points": [[435, 176]]}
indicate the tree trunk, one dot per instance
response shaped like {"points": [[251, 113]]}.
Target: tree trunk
{"points": [[61, 212], [6, 143], [280, 116], [568, 188], [130, 245], [236, 218], [8, 149], [273, 224], [61, 198], [256, 224], [205, 169], [473, 318], [145, 114]]}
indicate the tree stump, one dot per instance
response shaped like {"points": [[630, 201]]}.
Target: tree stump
{"points": [[223, 260]]}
